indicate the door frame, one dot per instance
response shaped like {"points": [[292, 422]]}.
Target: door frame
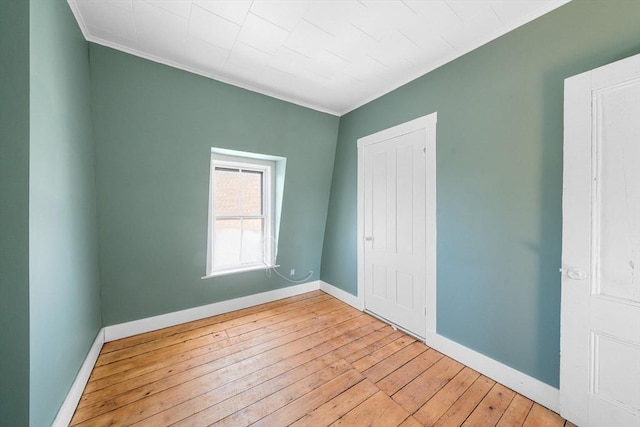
{"points": [[579, 154], [428, 123]]}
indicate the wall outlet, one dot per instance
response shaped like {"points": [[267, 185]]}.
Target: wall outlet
{"points": [[292, 272]]}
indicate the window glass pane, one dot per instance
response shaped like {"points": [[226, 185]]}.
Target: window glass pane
{"points": [[227, 244], [226, 191], [252, 241], [251, 183]]}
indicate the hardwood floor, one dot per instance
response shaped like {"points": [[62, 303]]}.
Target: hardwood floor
{"points": [[309, 360]]}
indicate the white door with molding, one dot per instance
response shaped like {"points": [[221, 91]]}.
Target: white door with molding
{"points": [[600, 321], [396, 189]]}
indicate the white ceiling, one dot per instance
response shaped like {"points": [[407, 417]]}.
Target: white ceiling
{"points": [[329, 55]]}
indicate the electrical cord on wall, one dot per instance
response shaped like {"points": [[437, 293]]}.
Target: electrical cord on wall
{"points": [[267, 273]]}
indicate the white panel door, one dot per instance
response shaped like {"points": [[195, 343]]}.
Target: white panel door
{"points": [[600, 331], [397, 223]]}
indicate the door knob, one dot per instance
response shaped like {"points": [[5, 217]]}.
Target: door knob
{"points": [[368, 238], [574, 273]]}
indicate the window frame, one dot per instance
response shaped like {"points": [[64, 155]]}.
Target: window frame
{"points": [[267, 168]]}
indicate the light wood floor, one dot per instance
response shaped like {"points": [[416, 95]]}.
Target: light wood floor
{"points": [[309, 360]]}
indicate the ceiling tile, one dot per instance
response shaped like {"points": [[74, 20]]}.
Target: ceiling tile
{"points": [[205, 56], [160, 33], [435, 18], [262, 34], [212, 28], [333, 15], [234, 10], [248, 55], [283, 13], [516, 10], [474, 31], [182, 8], [290, 61], [308, 39]]}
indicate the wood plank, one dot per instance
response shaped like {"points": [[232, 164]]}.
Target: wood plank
{"points": [[260, 408], [422, 388], [325, 307], [382, 353], [540, 416], [365, 351], [407, 373], [378, 410], [411, 422], [461, 409], [488, 412], [338, 406], [440, 403], [516, 412], [304, 404], [395, 361]]}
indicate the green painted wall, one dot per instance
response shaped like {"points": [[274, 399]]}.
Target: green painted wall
{"points": [[63, 250], [499, 178], [154, 128], [14, 213]]}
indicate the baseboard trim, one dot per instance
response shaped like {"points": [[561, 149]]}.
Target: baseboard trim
{"points": [[520, 382], [65, 413], [127, 329], [343, 296]]}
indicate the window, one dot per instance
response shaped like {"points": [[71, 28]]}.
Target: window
{"points": [[241, 214]]}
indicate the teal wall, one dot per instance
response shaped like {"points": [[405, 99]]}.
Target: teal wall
{"points": [[63, 250], [154, 129], [499, 178], [14, 213]]}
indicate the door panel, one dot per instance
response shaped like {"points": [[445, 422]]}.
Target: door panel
{"points": [[394, 223], [618, 156]]}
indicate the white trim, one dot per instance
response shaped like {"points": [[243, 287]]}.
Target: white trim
{"points": [[65, 413], [428, 123], [242, 163], [127, 329], [519, 382], [346, 297]]}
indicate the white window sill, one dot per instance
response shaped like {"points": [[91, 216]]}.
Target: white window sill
{"points": [[238, 270]]}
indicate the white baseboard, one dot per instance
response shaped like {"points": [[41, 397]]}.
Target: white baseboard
{"points": [[127, 329], [520, 382], [343, 296], [65, 413]]}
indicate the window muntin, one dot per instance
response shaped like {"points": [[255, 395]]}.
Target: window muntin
{"points": [[240, 214]]}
